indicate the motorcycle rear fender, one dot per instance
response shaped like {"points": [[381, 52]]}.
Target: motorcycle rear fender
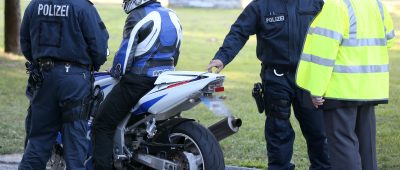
{"points": [[165, 128]]}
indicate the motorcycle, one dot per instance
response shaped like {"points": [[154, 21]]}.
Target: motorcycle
{"points": [[155, 135]]}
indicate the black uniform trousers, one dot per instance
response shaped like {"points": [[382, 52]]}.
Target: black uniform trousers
{"points": [[44, 120], [280, 92], [112, 111], [351, 133]]}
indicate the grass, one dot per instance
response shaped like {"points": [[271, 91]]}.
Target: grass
{"points": [[13, 104], [202, 38]]}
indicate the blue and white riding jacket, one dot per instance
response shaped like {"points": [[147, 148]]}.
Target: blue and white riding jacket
{"points": [[151, 41]]}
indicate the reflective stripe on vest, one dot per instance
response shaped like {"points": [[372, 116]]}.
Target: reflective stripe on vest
{"points": [[381, 11], [390, 35], [353, 41], [343, 68], [364, 42], [361, 69], [318, 60], [352, 21], [326, 32]]}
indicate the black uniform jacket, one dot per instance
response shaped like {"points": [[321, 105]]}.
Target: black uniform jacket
{"points": [[68, 30], [280, 26]]}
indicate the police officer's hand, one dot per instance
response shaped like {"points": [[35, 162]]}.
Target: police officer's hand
{"points": [[217, 64], [317, 101]]}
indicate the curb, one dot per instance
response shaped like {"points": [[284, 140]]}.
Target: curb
{"points": [[10, 162], [10, 159]]}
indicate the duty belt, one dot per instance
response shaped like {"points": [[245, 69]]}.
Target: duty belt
{"points": [[47, 63], [279, 70]]}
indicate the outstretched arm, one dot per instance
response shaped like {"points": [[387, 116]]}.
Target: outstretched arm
{"points": [[244, 26]]}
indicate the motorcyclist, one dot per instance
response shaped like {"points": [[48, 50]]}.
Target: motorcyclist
{"points": [[150, 46]]}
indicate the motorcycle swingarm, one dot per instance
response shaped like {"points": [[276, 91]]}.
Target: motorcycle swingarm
{"points": [[161, 149], [155, 162], [155, 155]]}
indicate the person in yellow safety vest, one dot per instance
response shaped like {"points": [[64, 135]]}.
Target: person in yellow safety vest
{"points": [[345, 66]]}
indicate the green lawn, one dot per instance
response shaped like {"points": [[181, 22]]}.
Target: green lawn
{"points": [[202, 37]]}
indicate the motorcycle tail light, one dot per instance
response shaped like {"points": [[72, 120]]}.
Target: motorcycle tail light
{"points": [[219, 89], [215, 86]]}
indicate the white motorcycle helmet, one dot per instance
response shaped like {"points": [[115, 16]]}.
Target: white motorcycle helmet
{"points": [[129, 5]]}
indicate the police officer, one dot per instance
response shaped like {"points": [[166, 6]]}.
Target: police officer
{"points": [[66, 38], [150, 46], [280, 26], [345, 60]]}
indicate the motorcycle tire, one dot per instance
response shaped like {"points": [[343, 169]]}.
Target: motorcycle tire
{"points": [[204, 141]]}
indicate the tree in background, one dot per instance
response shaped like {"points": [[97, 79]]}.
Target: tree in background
{"points": [[12, 18]]}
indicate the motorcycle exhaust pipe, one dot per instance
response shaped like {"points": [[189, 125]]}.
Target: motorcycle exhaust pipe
{"points": [[226, 127]]}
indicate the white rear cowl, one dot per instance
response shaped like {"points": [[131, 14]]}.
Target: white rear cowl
{"points": [[175, 91]]}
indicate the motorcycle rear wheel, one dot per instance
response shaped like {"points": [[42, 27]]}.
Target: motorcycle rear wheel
{"points": [[202, 150]]}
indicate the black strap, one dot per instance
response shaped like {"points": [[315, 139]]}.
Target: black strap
{"points": [[84, 104], [279, 68], [56, 61], [81, 115]]}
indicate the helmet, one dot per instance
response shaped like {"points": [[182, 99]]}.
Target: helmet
{"points": [[129, 5]]}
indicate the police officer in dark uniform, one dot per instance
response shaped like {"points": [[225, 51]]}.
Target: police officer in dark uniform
{"points": [[281, 27], [67, 40], [150, 45]]}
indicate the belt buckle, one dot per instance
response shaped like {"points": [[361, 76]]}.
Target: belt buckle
{"points": [[278, 74]]}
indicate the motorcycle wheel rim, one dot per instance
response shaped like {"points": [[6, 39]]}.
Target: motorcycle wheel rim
{"points": [[178, 136]]}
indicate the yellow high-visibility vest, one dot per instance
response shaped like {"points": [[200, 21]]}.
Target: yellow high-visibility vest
{"points": [[345, 55]]}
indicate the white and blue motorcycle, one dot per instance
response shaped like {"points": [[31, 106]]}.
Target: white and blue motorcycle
{"points": [[159, 137]]}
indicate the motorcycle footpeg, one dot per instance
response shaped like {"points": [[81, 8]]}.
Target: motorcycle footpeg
{"points": [[121, 157]]}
